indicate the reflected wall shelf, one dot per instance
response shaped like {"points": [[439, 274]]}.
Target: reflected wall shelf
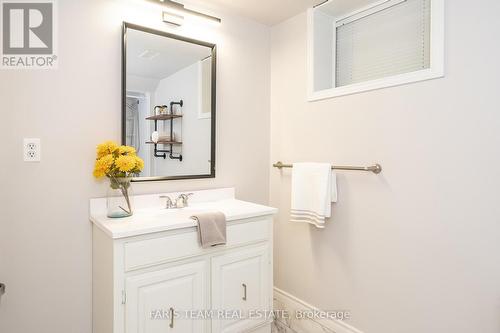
{"points": [[166, 117], [164, 143]]}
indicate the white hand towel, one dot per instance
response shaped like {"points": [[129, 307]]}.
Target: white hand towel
{"points": [[314, 188]]}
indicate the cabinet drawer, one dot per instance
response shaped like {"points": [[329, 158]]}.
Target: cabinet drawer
{"points": [[139, 254]]}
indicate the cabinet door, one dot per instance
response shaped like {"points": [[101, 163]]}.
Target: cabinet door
{"points": [[241, 281], [153, 297]]}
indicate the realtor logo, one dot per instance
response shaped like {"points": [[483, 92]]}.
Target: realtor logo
{"points": [[28, 30]]}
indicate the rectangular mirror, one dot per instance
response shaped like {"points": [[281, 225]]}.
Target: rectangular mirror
{"points": [[168, 103]]}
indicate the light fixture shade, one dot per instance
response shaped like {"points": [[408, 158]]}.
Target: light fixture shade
{"points": [[178, 9], [174, 19], [202, 16]]}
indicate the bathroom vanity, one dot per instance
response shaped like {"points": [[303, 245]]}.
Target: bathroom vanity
{"points": [[151, 275]]}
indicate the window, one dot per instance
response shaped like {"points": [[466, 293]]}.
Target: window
{"points": [[379, 45], [390, 41]]}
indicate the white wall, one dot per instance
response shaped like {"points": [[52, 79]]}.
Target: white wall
{"points": [[193, 132], [416, 248], [45, 235], [142, 84]]}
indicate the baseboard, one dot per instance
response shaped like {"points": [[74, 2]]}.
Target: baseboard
{"points": [[290, 303]]}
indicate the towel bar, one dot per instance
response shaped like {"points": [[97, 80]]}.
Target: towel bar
{"points": [[376, 169]]}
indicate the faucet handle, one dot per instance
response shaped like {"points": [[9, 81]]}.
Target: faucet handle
{"points": [[169, 203], [186, 197], [183, 200]]}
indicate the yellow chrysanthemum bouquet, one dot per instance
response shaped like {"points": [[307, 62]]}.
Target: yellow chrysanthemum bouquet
{"points": [[119, 164]]}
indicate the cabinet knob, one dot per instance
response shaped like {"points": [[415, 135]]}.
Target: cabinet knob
{"points": [[244, 291]]}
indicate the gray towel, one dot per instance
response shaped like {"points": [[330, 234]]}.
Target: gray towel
{"points": [[211, 228]]}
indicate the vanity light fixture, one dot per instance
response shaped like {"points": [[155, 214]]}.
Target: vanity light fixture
{"points": [[173, 19], [176, 12]]}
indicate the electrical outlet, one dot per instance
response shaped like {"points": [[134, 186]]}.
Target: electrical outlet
{"points": [[32, 150]]}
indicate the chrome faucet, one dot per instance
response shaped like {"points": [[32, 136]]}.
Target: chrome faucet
{"points": [[181, 201], [168, 204]]}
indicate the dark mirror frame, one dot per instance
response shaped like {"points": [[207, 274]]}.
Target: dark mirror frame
{"points": [[132, 26]]}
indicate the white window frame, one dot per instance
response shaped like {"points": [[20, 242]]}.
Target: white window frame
{"points": [[436, 69]]}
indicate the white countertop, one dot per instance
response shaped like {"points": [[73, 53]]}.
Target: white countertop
{"points": [[148, 220]]}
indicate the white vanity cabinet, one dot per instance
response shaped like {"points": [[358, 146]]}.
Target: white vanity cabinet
{"points": [[150, 274]]}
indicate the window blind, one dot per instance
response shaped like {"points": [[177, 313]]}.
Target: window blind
{"points": [[391, 41]]}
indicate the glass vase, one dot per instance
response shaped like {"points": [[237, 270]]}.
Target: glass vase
{"points": [[119, 197]]}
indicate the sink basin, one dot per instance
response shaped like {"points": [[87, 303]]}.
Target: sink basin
{"points": [[162, 212], [185, 212]]}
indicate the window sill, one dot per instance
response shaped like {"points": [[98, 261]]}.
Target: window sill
{"points": [[393, 81]]}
